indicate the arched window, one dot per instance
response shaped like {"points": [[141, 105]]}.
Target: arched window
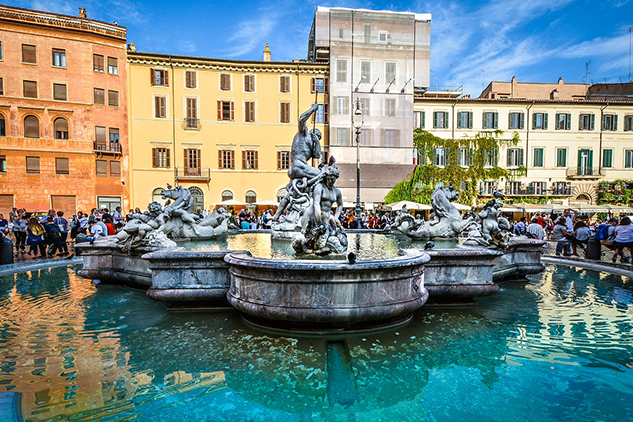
{"points": [[61, 128], [31, 127], [157, 197], [281, 194], [198, 198], [227, 195], [251, 197]]}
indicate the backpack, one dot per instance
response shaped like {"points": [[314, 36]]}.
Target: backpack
{"points": [[56, 234], [602, 232]]}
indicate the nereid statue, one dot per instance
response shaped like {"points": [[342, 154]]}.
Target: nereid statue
{"points": [[156, 226], [490, 229]]}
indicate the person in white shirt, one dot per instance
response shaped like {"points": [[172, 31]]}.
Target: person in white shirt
{"points": [[535, 229], [96, 230]]}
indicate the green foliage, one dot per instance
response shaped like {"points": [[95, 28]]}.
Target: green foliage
{"points": [[531, 199], [419, 186], [617, 192]]}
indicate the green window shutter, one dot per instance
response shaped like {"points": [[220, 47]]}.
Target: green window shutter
{"points": [[521, 157], [607, 158], [545, 121], [445, 125], [495, 117], [460, 116], [470, 120], [533, 120], [580, 126], [590, 160], [604, 122], [592, 122], [435, 119], [615, 122], [510, 121], [422, 118], [509, 157], [568, 121], [522, 121], [627, 123], [538, 157], [628, 158]]}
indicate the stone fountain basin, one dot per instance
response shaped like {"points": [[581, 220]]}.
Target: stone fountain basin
{"points": [[326, 296]]}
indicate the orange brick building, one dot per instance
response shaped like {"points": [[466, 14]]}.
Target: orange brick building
{"points": [[63, 112]]}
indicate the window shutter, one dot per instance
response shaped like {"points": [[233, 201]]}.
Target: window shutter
{"points": [[615, 122], [152, 77], [510, 157], [568, 122], [220, 159], [243, 160], [115, 168], [219, 110], [59, 92], [495, 120], [533, 120], [522, 121], [32, 164], [232, 111], [198, 158], [167, 158], [62, 166], [232, 159], [435, 119], [188, 79], [510, 121], [326, 113], [102, 168], [459, 120], [29, 54], [592, 122], [186, 157], [521, 157], [166, 78], [313, 85], [154, 157], [278, 160], [30, 89], [470, 120]]}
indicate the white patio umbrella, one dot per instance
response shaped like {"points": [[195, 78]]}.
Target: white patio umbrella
{"points": [[462, 207], [268, 202], [412, 206], [228, 202]]}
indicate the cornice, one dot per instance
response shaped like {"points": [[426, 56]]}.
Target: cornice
{"points": [[419, 99]]}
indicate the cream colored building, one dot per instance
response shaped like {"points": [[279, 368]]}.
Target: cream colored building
{"points": [[567, 146], [222, 128]]}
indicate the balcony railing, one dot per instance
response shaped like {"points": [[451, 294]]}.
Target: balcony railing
{"points": [[107, 147], [530, 191], [193, 173], [585, 172], [189, 123]]}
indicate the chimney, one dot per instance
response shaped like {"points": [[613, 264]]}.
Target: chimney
{"points": [[82, 13], [267, 53], [131, 47]]}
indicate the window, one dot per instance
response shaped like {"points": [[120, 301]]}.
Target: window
{"points": [[160, 158], [32, 165], [250, 160], [465, 120], [191, 119], [321, 115], [440, 157], [226, 110], [341, 106], [99, 96], [98, 63], [160, 107], [100, 137], [365, 72], [365, 137], [538, 157], [419, 117], [249, 83], [31, 127], [227, 195], [281, 194], [515, 157], [61, 128], [563, 121], [115, 169], [29, 55], [390, 72], [114, 136], [587, 121], [30, 89], [390, 107], [340, 32], [0, 50], [341, 71], [342, 136], [226, 160], [607, 158], [561, 157], [102, 168], [610, 122], [225, 82], [3, 163], [513, 188], [318, 85], [284, 116], [490, 120], [159, 77], [440, 119], [250, 197], [367, 33], [539, 121], [465, 157], [284, 84], [113, 66], [113, 98], [59, 57], [192, 162], [62, 166], [487, 188], [391, 137], [364, 106], [628, 120], [283, 160], [1, 86], [382, 36], [3, 126], [249, 111], [516, 120], [539, 188], [190, 79], [491, 157], [59, 92], [628, 158]]}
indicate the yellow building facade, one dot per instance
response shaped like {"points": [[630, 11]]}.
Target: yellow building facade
{"points": [[222, 128]]}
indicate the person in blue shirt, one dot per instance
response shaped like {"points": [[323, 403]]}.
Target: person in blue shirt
{"points": [[62, 223]]}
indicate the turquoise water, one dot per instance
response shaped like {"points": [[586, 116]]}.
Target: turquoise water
{"points": [[366, 246], [559, 348]]}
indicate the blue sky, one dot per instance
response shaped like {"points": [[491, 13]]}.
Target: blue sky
{"points": [[534, 40]]}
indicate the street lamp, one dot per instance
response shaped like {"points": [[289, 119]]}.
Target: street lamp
{"points": [[358, 124]]}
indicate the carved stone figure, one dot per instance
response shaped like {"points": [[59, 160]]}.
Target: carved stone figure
{"points": [[321, 232], [137, 231], [446, 221], [490, 229], [305, 146]]}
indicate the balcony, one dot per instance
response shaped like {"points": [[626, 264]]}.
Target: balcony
{"points": [[191, 124], [537, 191], [585, 173], [103, 148], [193, 173]]}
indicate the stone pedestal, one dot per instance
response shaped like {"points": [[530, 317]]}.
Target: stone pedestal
{"points": [[522, 257], [324, 296], [189, 277]]}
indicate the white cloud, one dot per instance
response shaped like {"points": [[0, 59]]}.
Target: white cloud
{"points": [[187, 47]]}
